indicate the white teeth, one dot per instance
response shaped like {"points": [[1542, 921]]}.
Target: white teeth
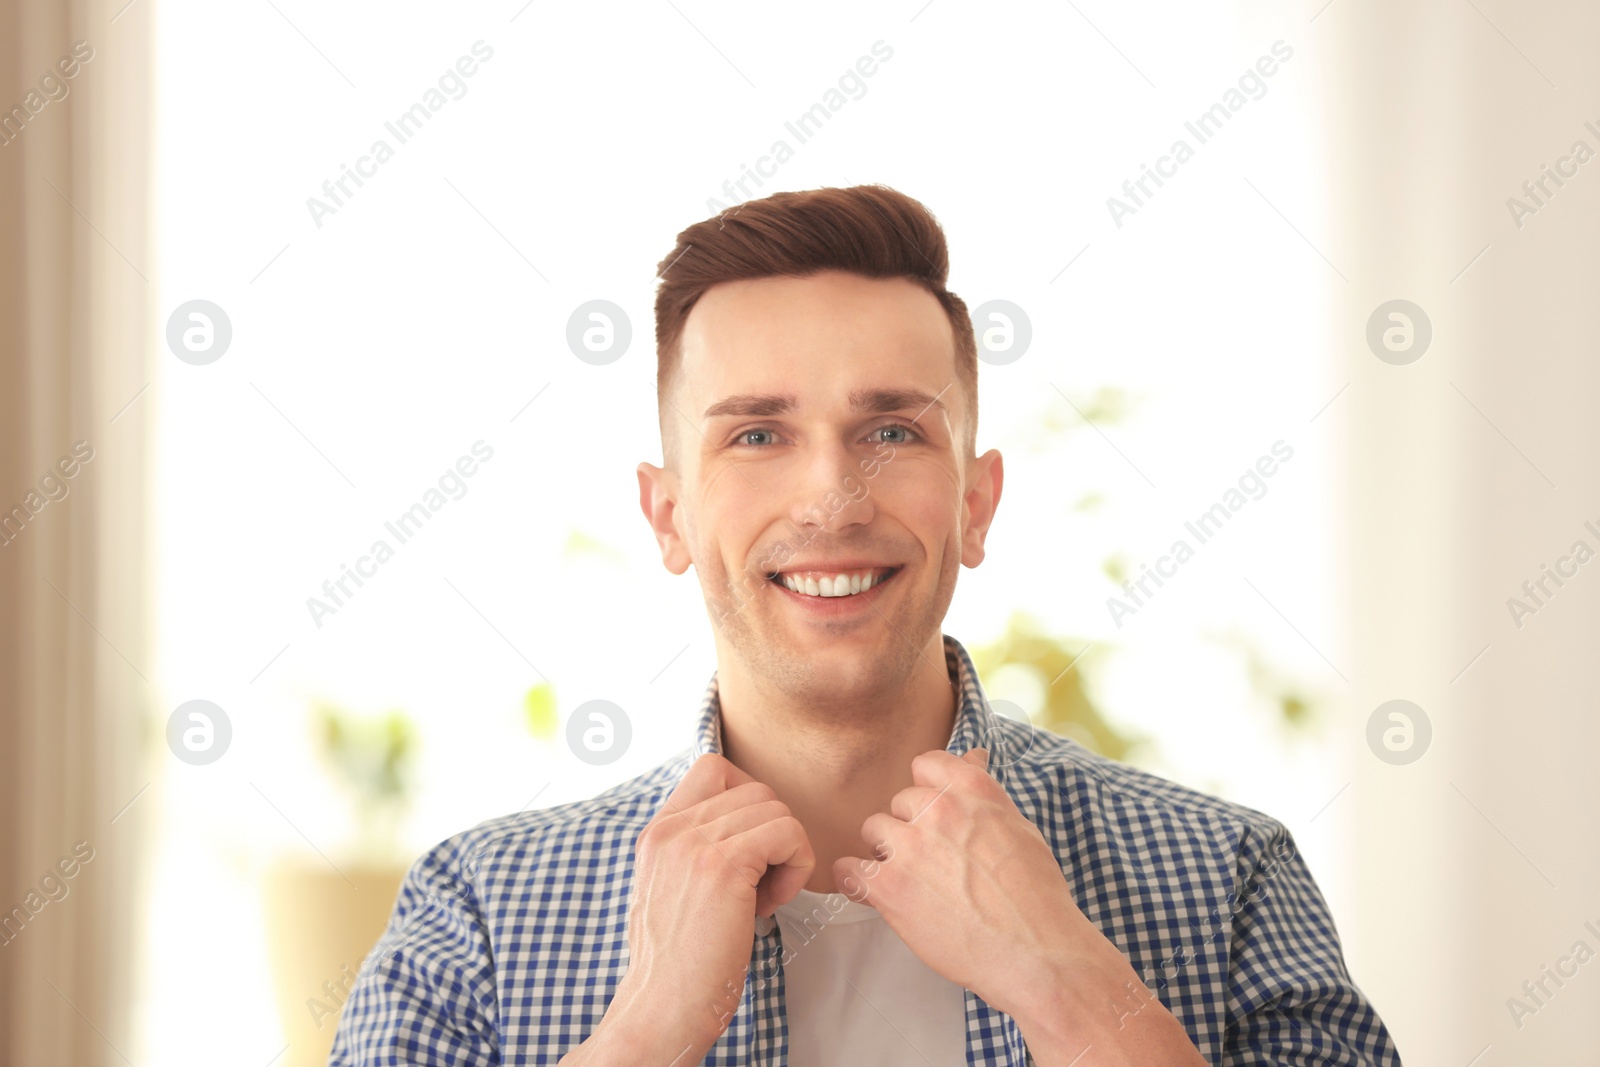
{"points": [[831, 586]]}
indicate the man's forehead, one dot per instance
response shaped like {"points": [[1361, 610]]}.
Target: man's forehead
{"points": [[830, 333]]}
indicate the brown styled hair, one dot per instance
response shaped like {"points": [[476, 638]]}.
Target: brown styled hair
{"points": [[871, 230]]}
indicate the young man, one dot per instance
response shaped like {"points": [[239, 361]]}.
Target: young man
{"points": [[857, 861]]}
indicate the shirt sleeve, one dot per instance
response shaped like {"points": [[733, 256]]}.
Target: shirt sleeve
{"points": [[1291, 1002], [425, 997]]}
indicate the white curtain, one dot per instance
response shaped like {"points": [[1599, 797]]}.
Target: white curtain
{"points": [[74, 656], [1467, 471]]}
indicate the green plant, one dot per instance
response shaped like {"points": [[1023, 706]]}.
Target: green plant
{"points": [[539, 711], [1059, 665], [1297, 705], [372, 756], [1064, 667]]}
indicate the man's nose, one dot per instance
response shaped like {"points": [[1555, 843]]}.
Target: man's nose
{"points": [[832, 493]]}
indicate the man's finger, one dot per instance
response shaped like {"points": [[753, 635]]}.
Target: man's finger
{"points": [[909, 804], [882, 833], [851, 878], [939, 768], [710, 775], [782, 846]]}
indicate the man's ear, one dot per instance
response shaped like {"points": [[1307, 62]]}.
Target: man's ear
{"points": [[986, 475], [658, 498]]}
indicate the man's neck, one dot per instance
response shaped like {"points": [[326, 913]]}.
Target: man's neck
{"points": [[834, 768]]}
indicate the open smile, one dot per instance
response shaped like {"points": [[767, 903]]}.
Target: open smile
{"points": [[829, 583]]}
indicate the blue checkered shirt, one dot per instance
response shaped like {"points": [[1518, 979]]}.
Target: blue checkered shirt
{"points": [[507, 941]]}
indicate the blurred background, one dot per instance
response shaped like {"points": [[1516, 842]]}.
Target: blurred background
{"points": [[280, 282]]}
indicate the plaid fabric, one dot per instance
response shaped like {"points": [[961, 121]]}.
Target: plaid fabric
{"points": [[508, 940]]}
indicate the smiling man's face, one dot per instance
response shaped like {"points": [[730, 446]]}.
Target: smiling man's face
{"points": [[820, 431]]}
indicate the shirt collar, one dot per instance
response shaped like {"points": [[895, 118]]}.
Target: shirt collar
{"points": [[976, 723]]}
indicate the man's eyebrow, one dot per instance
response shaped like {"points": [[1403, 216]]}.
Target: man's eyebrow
{"points": [[864, 400]]}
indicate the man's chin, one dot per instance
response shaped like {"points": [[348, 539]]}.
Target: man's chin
{"points": [[849, 659]]}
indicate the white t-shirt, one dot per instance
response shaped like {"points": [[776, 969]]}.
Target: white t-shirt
{"points": [[896, 1001]]}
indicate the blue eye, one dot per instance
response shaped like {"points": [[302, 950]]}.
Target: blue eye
{"points": [[890, 429], [761, 438]]}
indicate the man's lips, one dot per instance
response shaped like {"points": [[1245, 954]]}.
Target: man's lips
{"points": [[833, 582]]}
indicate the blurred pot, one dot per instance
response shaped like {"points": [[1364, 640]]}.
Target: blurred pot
{"points": [[319, 930]]}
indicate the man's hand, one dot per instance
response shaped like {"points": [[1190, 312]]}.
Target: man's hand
{"points": [[966, 880], [722, 850], [972, 887]]}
